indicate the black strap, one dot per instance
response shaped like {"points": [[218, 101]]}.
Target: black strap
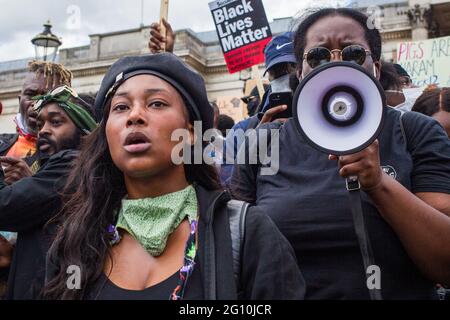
{"points": [[403, 129], [210, 253], [237, 213], [354, 193]]}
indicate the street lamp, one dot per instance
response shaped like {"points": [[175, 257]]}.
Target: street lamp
{"points": [[46, 44]]}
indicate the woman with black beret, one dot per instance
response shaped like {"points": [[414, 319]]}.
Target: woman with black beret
{"points": [[136, 225]]}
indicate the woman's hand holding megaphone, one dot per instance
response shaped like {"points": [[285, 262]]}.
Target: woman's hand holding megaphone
{"points": [[365, 165]]}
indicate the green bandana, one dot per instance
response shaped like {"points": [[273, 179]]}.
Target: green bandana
{"points": [[152, 220], [70, 102]]}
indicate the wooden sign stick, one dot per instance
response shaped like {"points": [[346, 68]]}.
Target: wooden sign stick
{"points": [[259, 84], [164, 13]]}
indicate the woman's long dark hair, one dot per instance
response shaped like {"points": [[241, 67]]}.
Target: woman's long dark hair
{"points": [[92, 195]]}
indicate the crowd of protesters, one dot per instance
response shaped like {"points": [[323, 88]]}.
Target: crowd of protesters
{"points": [[92, 205]]}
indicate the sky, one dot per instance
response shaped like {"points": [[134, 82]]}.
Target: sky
{"points": [[75, 20]]}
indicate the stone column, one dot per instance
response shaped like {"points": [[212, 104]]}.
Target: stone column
{"points": [[420, 17], [94, 49], [145, 37]]}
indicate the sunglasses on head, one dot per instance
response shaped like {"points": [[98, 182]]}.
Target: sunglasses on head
{"points": [[60, 91], [320, 55]]}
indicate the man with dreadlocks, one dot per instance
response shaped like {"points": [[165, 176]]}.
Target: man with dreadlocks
{"points": [[41, 78], [29, 203]]}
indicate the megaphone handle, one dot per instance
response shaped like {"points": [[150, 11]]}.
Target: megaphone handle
{"points": [[365, 247]]}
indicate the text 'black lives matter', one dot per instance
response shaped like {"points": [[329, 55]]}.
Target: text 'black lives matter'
{"points": [[243, 31]]}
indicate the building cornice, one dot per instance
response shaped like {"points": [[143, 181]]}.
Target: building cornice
{"points": [[9, 94], [396, 35]]}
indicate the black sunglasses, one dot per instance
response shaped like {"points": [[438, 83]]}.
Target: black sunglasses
{"points": [[320, 55]]}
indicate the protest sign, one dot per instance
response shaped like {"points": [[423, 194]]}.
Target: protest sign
{"points": [[243, 31], [427, 62]]}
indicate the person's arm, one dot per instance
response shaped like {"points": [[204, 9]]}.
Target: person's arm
{"points": [[269, 265], [420, 217], [423, 228], [31, 201], [155, 44]]}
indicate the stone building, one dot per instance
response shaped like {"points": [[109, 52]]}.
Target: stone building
{"points": [[398, 21]]}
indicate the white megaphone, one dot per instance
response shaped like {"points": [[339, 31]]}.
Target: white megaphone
{"points": [[339, 108]]}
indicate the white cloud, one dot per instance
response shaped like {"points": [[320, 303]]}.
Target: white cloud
{"points": [[16, 48], [23, 19]]}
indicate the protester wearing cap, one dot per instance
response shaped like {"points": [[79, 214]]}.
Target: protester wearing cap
{"points": [[143, 226], [279, 56], [280, 62], [29, 201]]}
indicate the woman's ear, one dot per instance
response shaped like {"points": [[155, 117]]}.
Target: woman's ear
{"points": [[192, 137], [299, 74]]}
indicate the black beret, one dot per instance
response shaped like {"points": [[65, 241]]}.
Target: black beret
{"points": [[165, 66]]}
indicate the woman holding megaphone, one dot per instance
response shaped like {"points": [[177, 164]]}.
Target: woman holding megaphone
{"points": [[399, 164]]}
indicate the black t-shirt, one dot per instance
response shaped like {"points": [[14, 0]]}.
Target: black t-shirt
{"points": [[308, 201]]}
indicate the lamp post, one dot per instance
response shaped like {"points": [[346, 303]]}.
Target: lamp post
{"points": [[46, 44]]}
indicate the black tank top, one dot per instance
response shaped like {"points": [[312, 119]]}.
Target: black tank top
{"points": [[105, 289]]}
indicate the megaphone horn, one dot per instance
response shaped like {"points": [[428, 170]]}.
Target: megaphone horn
{"points": [[339, 108]]}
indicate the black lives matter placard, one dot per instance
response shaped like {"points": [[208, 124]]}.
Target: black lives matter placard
{"points": [[243, 31]]}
